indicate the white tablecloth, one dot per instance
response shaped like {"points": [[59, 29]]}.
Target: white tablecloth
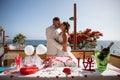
{"points": [[111, 73]]}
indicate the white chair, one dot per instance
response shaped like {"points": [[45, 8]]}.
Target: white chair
{"points": [[9, 56]]}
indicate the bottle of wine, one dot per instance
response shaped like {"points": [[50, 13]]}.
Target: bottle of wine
{"points": [[105, 52]]}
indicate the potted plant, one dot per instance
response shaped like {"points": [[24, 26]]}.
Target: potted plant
{"points": [[20, 39]]}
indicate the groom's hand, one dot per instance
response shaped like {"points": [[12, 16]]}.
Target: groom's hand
{"points": [[64, 48]]}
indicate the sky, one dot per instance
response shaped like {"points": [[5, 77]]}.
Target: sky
{"points": [[32, 17]]}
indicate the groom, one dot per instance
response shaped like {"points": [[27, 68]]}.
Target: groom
{"points": [[53, 46]]}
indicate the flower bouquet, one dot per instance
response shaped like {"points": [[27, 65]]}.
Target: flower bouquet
{"points": [[85, 39]]}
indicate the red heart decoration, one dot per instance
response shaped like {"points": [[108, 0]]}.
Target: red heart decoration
{"points": [[29, 70]]}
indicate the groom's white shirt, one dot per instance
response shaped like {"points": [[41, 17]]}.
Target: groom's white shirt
{"points": [[53, 46]]}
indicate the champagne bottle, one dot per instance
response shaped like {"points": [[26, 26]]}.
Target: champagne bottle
{"points": [[105, 52]]}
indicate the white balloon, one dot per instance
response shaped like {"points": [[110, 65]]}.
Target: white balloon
{"points": [[29, 50], [1, 51], [41, 49]]}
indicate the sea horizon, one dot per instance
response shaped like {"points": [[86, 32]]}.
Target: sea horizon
{"points": [[115, 49]]}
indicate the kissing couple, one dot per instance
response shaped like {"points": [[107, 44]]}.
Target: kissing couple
{"points": [[57, 39]]}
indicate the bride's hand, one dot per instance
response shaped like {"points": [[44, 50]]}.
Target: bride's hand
{"points": [[64, 44]]}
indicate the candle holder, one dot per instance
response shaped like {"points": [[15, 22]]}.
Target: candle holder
{"points": [[88, 63]]}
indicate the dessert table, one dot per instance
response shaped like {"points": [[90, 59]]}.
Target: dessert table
{"points": [[56, 73]]}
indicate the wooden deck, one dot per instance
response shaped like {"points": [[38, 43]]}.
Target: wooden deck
{"points": [[115, 60]]}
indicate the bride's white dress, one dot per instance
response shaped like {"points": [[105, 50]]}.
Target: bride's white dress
{"points": [[68, 52]]}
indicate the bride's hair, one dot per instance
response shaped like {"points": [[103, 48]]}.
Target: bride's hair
{"points": [[67, 26]]}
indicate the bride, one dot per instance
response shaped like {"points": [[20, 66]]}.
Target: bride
{"points": [[63, 39]]}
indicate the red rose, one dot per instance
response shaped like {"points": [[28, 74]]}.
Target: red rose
{"points": [[71, 35], [37, 76], [67, 71], [11, 76]]}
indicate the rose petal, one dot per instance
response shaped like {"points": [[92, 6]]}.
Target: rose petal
{"points": [[72, 77], [37, 76], [85, 76], [57, 76], [6, 72], [11, 76], [118, 75]]}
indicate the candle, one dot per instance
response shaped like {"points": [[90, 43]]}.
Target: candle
{"points": [[78, 62], [83, 56], [18, 61]]}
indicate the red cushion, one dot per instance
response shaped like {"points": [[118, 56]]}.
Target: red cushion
{"points": [[29, 70]]}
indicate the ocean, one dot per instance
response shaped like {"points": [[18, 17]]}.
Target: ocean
{"points": [[115, 49]]}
